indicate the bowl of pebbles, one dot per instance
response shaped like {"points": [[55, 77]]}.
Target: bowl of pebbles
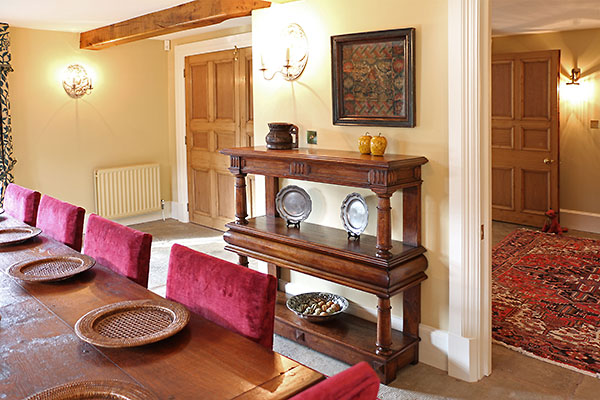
{"points": [[317, 306]]}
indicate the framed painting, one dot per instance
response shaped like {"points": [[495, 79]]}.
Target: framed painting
{"points": [[373, 78]]}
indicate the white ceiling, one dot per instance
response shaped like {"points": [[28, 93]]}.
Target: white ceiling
{"points": [[535, 16], [508, 16]]}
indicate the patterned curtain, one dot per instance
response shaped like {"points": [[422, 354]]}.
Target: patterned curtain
{"points": [[7, 162]]}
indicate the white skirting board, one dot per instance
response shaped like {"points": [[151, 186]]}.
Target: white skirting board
{"points": [[433, 348], [580, 220]]}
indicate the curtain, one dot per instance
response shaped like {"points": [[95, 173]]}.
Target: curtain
{"points": [[7, 162]]}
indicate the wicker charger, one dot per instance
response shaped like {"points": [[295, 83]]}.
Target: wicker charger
{"points": [[132, 323], [50, 269], [17, 234], [95, 390]]}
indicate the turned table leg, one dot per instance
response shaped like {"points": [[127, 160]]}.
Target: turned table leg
{"points": [[384, 226], [384, 326], [240, 199]]}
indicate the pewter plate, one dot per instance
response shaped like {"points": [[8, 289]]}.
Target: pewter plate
{"points": [[293, 204], [354, 214]]}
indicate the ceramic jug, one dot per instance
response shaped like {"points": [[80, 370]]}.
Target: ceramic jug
{"points": [[282, 136]]}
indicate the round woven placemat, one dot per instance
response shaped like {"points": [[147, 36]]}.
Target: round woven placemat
{"points": [[17, 234], [49, 269], [132, 323], [95, 390]]}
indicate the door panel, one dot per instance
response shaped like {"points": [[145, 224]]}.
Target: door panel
{"points": [[503, 138], [216, 118], [535, 187], [536, 88], [503, 184], [525, 155], [502, 85]]}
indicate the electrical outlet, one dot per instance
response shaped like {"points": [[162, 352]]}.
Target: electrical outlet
{"points": [[311, 137], [594, 124]]}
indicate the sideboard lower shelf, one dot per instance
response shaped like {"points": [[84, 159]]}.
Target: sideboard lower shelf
{"points": [[347, 338]]}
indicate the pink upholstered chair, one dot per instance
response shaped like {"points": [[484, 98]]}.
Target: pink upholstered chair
{"points": [[21, 203], [237, 298], [356, 383], [118, 247], [61, 221]]}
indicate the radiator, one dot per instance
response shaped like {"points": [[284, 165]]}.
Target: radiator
{"points": [[126, 191]]}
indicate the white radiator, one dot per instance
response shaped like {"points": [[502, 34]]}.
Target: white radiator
{"points": [[126, 191]]}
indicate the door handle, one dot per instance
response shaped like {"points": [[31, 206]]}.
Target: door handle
{"points": [[548, 161]]}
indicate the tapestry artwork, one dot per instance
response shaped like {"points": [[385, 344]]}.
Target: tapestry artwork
{"points": [[546, 298], [374, 80]]}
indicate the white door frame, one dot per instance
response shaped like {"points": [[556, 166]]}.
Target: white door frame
{"points": [[180, 190], [469, 65]]}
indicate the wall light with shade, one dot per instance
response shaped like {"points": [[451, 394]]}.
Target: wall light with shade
{"points": [[575, 75], [289, 55], [576, 90], [76, 81]]}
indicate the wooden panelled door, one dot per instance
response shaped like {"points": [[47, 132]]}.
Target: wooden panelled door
{"points": [[525, 118], [218, 91]]}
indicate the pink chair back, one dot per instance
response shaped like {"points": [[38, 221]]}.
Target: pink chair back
{"points": [[118, 247], [21, 203], [61, 221], [237, 298], [355, 383]]}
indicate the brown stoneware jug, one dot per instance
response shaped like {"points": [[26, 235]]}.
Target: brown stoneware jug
{"points": [[282, 136]]}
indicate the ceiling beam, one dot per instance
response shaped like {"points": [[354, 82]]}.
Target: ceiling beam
{"points": [[190, 15]]}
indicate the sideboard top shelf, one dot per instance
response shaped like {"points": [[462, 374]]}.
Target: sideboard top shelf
{"points": [[325, 155]]}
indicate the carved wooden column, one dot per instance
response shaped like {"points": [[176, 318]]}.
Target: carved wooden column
{"points": [[241, 207], [384, 326], [384, 226]]}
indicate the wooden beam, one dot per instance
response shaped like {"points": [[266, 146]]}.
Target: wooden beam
{"points": [[190, 15]]}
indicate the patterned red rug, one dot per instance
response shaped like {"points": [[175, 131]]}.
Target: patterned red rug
{"points": [[546, 298]]}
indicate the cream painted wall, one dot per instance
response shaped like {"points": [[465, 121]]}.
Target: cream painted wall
{"points": [[59, 141], [307, 102], [579, 145]]}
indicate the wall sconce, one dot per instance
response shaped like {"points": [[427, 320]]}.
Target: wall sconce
{"points": [[293, 39], [575, 75], [76, 81]]}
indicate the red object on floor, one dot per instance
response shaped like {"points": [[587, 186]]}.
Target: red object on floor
{"points": [[355, 383], [235, 297], [118, 247], [61, 221], [21, 203], [546, 297], [551, 225]]}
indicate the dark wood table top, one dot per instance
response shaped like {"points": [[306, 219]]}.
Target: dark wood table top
{"points": [[39, 349]]}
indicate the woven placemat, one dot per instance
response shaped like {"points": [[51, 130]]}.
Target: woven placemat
{"points": [[50, 269], [132, 323], [96, 390], [17, 234]]}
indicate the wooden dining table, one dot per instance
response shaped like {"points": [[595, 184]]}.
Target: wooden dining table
{"points": [[39, 348]]}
